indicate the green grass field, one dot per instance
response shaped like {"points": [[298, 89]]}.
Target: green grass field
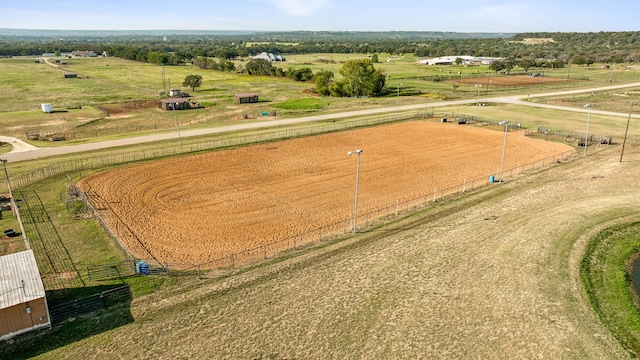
{"points": [[492, 274]]}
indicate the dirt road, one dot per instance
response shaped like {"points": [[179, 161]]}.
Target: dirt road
{"points": [[516, 99]]}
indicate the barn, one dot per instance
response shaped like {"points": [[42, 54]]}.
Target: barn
{"points": [[23, 305], [246, 98]]}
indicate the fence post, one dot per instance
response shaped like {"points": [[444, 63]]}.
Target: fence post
{"points": [[397, 202], [264, 250], [104, 303], [88, 274], [434, 194]]}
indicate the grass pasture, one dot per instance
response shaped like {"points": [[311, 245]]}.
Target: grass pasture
{"points": [[492, 274], [488, 275]]}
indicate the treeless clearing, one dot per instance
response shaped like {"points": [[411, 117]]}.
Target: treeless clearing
{"points": [[204, 207], [493, 275], [511, 80]]}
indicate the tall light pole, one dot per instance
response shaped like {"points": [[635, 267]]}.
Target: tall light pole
{"points": [[14, 206], [504, 148], [626, 131], [355, 206], [586, 135], [398, 102], [478, 100], [175, 104]]}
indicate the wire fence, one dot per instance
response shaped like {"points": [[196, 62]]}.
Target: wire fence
{"points": [[98, 162], [121, 234], [328, 232], [99, 301]]}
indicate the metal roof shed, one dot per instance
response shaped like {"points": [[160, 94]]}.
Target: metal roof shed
{"points": [[23, 305]]}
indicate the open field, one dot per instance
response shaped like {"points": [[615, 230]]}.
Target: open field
{"points": [[494, 274], [491, 274], [113, 81], [511, 80], [204, 207]]}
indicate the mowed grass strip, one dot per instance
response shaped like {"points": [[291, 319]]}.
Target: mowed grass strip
{"points": [[606, 270]]}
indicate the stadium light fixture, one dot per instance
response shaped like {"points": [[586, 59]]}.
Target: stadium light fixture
{"points": [[478, 101], [586, 135], [504, 147], [398, 102], [175, 116], [355, 206], [14, 206]]}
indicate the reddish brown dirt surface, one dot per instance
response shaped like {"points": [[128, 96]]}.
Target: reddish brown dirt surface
{"points": [[207, 206], [509, 80]]}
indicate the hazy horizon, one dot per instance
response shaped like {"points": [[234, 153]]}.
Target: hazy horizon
{"points": [[464, 16]]}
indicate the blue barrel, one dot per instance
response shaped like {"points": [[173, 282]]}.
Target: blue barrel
{"points": [[142, 268], [491, 178]]}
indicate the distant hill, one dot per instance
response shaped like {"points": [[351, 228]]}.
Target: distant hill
{"points": [[300, 35]]}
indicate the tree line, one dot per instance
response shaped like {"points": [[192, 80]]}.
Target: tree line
{"points": [[359, 77], [606, 47]]}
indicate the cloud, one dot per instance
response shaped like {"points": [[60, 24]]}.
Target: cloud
{"points": [[300, 7]]}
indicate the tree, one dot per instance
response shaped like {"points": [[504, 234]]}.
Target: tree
{"points": [[378, 82], [192, 81], [260, 67], [157, 57], [302, 74], [526, 63], [323, 82], [374, 58], [361, 78], [497, 66]]}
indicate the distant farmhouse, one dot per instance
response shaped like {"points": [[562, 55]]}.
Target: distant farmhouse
{"points": [[84, 53], [270, 57], [466, 60], [77, 53]]}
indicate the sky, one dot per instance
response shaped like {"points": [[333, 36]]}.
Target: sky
{"points": [[506, 16]]}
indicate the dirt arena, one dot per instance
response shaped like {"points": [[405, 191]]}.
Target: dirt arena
{"points": [[203, 207], [511, 80]]}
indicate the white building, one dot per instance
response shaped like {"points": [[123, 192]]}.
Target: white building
{"points": [[466, 60], [270, 57]]}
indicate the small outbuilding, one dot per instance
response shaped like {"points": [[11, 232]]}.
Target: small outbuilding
{"points": [[175, 104], [245, 98], [70, 75], [23, 305]]}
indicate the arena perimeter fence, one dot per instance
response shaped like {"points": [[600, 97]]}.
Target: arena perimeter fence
{"points": [[385, 214], [115, 228], [99, 162]]}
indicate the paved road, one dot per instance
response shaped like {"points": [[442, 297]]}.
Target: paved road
{"points": [[23, 151]]}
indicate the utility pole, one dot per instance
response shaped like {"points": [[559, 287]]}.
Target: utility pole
{"points": [[625, 132], [14, 207]]}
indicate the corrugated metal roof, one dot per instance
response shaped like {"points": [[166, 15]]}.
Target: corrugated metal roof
{"points": [[19, 279]]}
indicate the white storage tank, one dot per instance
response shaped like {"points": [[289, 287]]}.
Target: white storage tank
{"points": [[47, 108]]}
